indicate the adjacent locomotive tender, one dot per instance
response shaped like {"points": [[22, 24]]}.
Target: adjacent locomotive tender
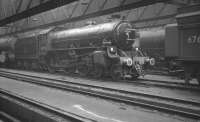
{"points": [[177, 45], [108, 49], [161, 44]]}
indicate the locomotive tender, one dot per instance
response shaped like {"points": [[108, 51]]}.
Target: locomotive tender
{"points": [[189, 41], [108, 49], [177, 44], [161, 44]]}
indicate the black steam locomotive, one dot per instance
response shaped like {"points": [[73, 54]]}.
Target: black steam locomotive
{"points": [[108, 49]]}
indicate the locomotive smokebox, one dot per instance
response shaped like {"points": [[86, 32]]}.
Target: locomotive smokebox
{"points": [[126, 37]]}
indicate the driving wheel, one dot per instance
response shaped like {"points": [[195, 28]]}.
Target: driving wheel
{"points": [[98, 71], [83, 70]]}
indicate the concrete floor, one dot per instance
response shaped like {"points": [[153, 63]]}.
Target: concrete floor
{"points": [[90, 107]]}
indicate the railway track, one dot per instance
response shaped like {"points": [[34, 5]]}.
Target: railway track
{"points": [[4, 117], [141, 81], [186, 108], [44, 112], [149, 83], [146, 82], [165, 84]]}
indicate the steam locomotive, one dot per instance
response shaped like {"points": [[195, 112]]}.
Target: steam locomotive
{"points": [[108, 49]]}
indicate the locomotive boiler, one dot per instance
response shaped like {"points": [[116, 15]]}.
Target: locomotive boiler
{"points": [[108, 49]]}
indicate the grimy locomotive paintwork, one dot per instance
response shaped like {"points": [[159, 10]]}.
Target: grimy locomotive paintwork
{"points": [[107, 49]]}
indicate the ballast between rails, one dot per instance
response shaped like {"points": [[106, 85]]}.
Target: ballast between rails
{"points": [[115, 95], [7, 118]]}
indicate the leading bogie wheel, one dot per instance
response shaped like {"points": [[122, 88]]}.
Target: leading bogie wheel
{"points": [[187, 78], [50, 69], [134, 77], [83, 70], [98, 71], [116, 72]]}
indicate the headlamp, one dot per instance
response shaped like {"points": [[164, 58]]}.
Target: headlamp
{"points": [[112, 50], [152, 62], [129, 62]]}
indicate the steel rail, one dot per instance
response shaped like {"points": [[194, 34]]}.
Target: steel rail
{"points": [[164, 104], [7, 118], [44, 107], [166, 84], [149, 82]]}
